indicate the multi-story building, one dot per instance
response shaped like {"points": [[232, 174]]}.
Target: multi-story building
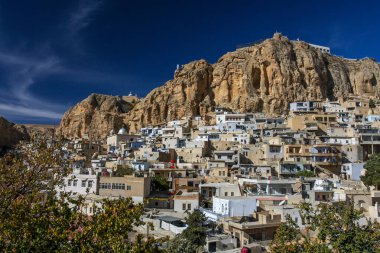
{"points": [[137, 188]]}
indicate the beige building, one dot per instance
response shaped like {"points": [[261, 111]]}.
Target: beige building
{"points": [[122, 136], [186, 202], [136, 188], [262, 226]]}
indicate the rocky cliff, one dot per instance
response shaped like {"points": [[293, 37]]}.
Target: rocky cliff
{"points": [[38, 131], [95, 116], [262, 77], [11, 134], [189, 93]]}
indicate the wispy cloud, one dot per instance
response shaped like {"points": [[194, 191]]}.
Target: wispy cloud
{"points": [[25, 68], [18, 110], [22, 73], [81, 17]]}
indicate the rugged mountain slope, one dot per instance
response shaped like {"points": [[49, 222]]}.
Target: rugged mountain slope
{"points": [[267, 76], [264, 77], [11, 134], [94, 116], [188, 94], [36, 131]]}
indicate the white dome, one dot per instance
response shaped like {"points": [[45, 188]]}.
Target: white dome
{"points": [[122, 131]]}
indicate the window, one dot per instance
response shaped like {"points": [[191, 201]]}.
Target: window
{"points": [[69, 183], [129, 187], [226, 194], [274, 149], [90, 183], [83, 183], [118, 186], [183, 206], [232, 194], [188, 206], [105, 186], [75, 183]]}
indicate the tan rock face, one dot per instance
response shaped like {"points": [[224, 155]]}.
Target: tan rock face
{"points": [[10, 134], [37, 131], [265, 78], [95, 116], [188, 94]]}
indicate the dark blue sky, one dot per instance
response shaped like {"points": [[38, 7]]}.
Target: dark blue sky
{"points": [[55, 53]]}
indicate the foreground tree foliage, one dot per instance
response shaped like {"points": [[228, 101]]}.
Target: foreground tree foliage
{"points": [[193, 238], [372, 174], [34, 219], [329, 228]]}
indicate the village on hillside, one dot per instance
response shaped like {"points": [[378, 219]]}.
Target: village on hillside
{"points": [[246, 173]]}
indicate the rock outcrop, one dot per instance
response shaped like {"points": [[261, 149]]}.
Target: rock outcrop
{"points": [[38, 131], [95, 117], [188, 94], [263, 77], [11, 134]]}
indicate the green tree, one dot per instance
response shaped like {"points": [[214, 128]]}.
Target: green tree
{"points": [[193, 238], [34, 218], [286, 234], [372, 174], [335, 228]]}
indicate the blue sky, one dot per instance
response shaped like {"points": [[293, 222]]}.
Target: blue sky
{"points": [[55, 53]]}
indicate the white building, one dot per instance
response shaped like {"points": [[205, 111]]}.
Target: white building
{"points": [[140, 165], [81, 181], [323, 49], [186, 202], [114, 140], [371, 118], [303, 106], [218, 190], [343, 140], [353, 171], [230, 117], [234, 206]]}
